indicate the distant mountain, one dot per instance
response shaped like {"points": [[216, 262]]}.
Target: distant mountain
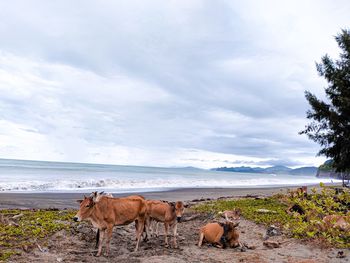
{"points": [[304, 171], [242, 169], [278, 169]]}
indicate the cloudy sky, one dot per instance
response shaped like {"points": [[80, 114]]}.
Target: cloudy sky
{"points": [[163, 83]]}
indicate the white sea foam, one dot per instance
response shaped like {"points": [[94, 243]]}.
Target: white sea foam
{"points": [[113, 185], [58, 177]]}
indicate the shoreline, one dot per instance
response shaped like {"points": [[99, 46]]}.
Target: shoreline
{"points": [[68, 200]]}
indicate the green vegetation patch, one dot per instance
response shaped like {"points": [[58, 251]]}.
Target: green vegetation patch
{"points": [[31, 227], [305, 222], [249, 208]]}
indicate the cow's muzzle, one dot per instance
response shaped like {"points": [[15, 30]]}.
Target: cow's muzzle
{"points": [[178, 219], [76, 219]]}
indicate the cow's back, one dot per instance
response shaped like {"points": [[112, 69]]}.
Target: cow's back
{"points": [[123, 211], [212, 232], [157, 209]]}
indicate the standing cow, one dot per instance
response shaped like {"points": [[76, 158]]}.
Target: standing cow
{"points": [[109, 212], [168, 213]]}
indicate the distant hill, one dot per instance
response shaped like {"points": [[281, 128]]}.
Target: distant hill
{"points": [[278, 169], [326, 170]]}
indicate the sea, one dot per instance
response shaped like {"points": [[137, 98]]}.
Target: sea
{"points": [[42, 176]]}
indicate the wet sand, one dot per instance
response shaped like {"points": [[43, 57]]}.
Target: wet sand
{"points": [[68, 200]]}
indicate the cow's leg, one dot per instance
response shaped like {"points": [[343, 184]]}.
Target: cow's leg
{"points": [[150, 226], [175, 234], [136, 227], [102, 238], [146, 228], [166, 227], [156, 225], [145, 231], [140, 227], [109, 232], [201, 237], [97, 238]]}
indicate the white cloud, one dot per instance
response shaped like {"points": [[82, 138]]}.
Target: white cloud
{"points": [[171, 83]]}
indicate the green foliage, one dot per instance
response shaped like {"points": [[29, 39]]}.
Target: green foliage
{"points": [[249, 209], [330, 125], [327, 166], [308, 225], [33, 227]]}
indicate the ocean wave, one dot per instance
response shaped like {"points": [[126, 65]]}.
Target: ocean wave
{"points": [[114, 185]]}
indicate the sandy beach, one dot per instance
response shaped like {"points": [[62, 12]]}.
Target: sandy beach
{"points": [[76, 243], [68, 200]]}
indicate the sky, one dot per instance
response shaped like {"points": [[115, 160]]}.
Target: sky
{"points": [[163, 83]]}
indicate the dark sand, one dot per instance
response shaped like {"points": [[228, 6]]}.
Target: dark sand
{"points": [[68, 200]]}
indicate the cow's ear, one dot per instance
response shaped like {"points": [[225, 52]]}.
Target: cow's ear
{"points": [[101, 193], [79, 201]]}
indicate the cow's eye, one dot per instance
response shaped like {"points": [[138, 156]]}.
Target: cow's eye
{"points": [[87, 206]]}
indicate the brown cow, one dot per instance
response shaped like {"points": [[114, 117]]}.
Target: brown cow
{"points": [[96, 198], [168, 213], [109, 212], [220, 234]]}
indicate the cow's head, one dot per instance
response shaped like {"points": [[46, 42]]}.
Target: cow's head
{"points": [[233, 234], [179, 210], [85, 209], [97, 195], [232, 225]]}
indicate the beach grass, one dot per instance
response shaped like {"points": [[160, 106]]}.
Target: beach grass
{"points": [[31, 228], [305, 225]]}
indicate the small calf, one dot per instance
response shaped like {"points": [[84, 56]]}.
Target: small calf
{"points": [[168, 213], [220, 234]]}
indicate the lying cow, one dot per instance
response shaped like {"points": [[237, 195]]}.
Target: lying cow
{"points": [[168, 213], [220, 234], [109, 212]]}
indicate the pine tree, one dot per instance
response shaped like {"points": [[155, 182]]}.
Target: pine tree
{"points": [[330, 125]]}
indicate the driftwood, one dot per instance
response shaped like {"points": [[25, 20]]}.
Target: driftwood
{"points": [[15, 217], [272, 244], [72, 251], [6, 221], [230, 215], [266, 211], [193, 217]]}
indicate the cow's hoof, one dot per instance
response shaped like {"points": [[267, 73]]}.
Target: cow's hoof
{"points": [[97, 254]]}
